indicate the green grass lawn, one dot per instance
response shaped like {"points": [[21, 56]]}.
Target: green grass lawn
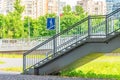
{"points": [[95, 65]]}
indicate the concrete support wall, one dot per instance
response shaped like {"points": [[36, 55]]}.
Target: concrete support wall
{"points": [[78, 52]]}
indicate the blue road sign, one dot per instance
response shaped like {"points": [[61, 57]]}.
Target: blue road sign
{"points": [[51, 23]]}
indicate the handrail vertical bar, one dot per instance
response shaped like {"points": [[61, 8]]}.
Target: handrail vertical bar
{"points": [[106, 20], [54, 45], [24, 63], [89, 26]]}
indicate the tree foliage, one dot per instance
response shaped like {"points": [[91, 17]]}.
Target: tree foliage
{"points": [[70, 17], [18, 8], [78, 10], [13, 25], [67, 9]]}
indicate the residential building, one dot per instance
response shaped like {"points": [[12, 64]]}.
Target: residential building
{"points": [[62, 4], [93, 7], [6, 6], [1, 7], [52, 6], [33, 8], [116, 6], [110, 4]]}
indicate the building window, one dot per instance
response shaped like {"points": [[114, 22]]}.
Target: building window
{"points": [[81, 4], [29, 11], [50, 0], [29, 5], [96, 9]]}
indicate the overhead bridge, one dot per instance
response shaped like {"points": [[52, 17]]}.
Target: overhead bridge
{"points": [[91, 34]]}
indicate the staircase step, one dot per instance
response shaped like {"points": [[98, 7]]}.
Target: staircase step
{"points": [[69, 47], [79, 42], [73, 44]]}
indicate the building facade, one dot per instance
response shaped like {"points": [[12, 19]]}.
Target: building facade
{"points": [[6, 6], [116, 6], [62, 4], [93, 7], [33, 8], [36, 8], [111, 4]]}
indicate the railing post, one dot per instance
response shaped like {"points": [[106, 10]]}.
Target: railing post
{"points": [[89, 26], [54, 45], [106, 21], [24, 63]]}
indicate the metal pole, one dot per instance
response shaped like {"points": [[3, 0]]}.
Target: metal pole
{"points": [[24, 63], [89, 26], [28, 29], [54, 45], [58, 31], [56, 41], [106, 25], [112, 24]]}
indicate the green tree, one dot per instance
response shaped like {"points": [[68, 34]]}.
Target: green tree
{"points": [[79, 10], [27, 25], [67, 9], [16, 27], [18, 8], [2, 20], [69, 18], [14, 24]]}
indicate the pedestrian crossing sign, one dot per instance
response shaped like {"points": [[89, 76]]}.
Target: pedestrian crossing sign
{"points": [[50, 23]]}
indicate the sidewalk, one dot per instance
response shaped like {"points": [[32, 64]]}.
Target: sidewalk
{"points": [[11, 62], [8, 72]]}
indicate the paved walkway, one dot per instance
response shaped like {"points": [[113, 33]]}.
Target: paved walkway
{"points": [[32, 77], [9, 72], [11, 62]]}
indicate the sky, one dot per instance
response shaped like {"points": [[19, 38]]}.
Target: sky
{"points": [[73, 2]]}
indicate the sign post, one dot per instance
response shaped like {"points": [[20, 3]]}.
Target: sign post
{"points": [[51, 26]]}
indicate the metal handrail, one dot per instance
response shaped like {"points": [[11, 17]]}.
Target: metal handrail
{"points": [[113, 31], [97, 16], [68, 29], [53, 37], [74, 25], [42, 62], [112, 13], [59, 45]]}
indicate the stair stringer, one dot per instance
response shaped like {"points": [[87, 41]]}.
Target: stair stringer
{"points": [[60, 62]]}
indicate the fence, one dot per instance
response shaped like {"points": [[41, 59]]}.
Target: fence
{"points": [[20, 44]]}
